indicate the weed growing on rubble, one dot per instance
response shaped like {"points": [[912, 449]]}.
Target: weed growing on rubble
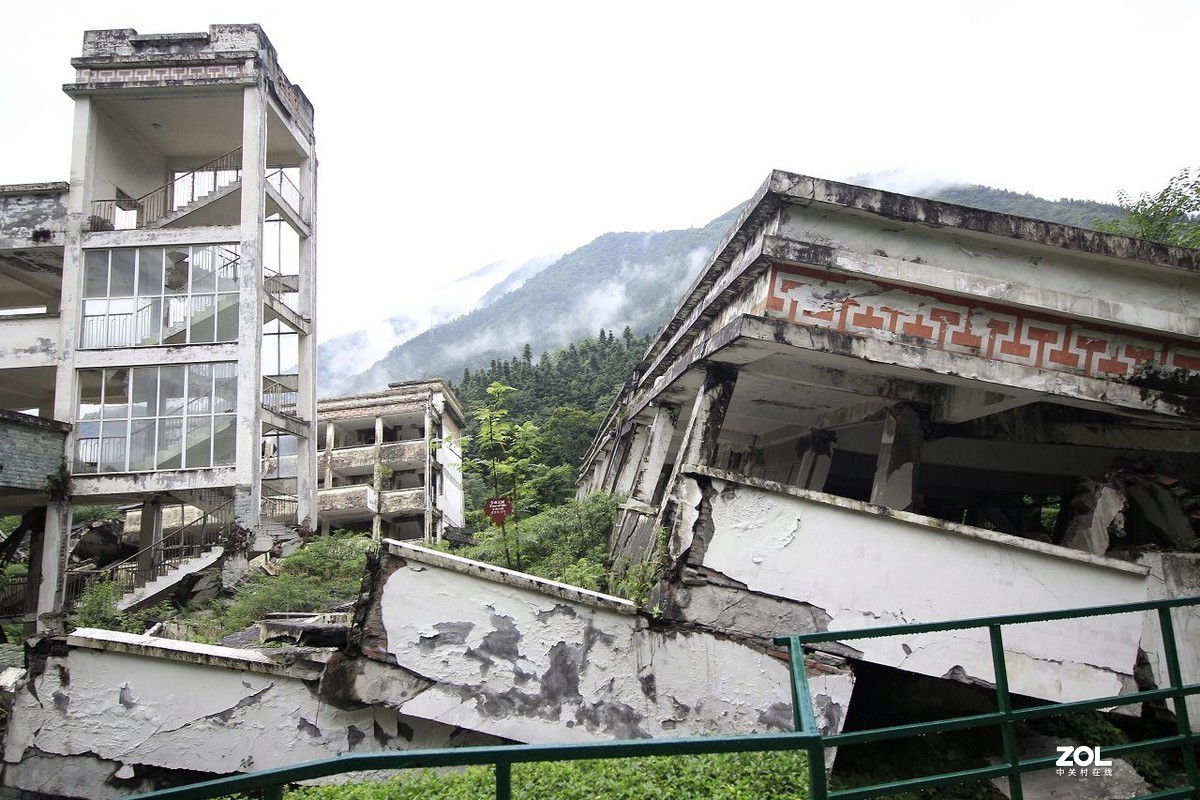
{"points": [[728, 776]]}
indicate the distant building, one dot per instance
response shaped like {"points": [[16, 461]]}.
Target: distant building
{"points": [[391, 464], [163, 301]]}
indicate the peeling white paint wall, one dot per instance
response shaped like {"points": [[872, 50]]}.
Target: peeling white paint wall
{"points": [[526, 665], [109, 712], [866, 567]]}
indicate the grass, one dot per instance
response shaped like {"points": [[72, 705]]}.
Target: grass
{"points": [[727, 776]]}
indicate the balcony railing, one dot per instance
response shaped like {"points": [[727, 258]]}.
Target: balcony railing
{"points": [[279, 394], [278, 180]]}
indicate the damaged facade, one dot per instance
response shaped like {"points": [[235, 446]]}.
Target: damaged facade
{"points": [[873, 409], [162, 301], [391, 463]]}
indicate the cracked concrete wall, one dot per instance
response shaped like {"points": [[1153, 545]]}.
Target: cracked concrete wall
{"points": [[1174, 575], [98, 723], [490, 652], [844, 564]]}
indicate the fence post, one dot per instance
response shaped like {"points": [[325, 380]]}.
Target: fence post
{"points": [[1182, 723], [1007, 727], [503, 780], [803, 718]]}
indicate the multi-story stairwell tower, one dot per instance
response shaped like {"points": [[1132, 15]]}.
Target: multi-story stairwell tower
{"points": [[186, 352]]}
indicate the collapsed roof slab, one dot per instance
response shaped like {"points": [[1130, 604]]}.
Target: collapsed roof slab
{"points": [[532, 660]]}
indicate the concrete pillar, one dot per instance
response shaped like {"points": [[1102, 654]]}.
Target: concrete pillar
{"points": [[708, 414], [248, 470], [306, 395], [813, 469], [150, 541], [51, 555], [377, 480], [329, 444], [633, 459], [430, 489], [654, 457], [896, 470]]}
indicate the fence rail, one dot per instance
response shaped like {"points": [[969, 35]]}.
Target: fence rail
{"points": [[806, 737]]}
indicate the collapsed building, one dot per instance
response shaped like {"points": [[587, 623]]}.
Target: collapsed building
{"points": [[872, 409]]}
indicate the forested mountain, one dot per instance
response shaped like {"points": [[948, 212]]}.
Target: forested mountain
{"points": [[618, 280], [1080, 213]]}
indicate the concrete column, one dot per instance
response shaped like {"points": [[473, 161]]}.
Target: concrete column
{"points": [[248, 470], [699, 445], [430, 489], [51, 556], [329, 444], [633, 459], [150, 541], [896, 470], [654, 458], [813, 469], [306, 396], [708, 414], [376, 480]]}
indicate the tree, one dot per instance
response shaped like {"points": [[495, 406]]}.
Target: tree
{"points": [[1170, 216], [504, 454]]}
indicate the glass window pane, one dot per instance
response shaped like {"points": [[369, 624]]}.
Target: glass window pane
{"points": [[144, 401], [116, 394], [175, 318], [95, 273], [91, 394], [175, 279], [87, 446], [141, 444], [147, 321], [121, 322], [122, 273], [203, 318], [170, 391], [150, 271], [113, 440], [204, 270], [227, 318], [94, 332], [225, 380], [199, 442], [224, 440], [227, 270], [170, 443], [200, 385]]}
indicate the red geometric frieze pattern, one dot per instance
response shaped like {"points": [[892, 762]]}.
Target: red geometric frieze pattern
{"points": [[861, 307], [177, 73]]}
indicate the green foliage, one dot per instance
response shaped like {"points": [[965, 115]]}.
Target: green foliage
{"points": [[1170, 215], [635, 579], [97, 608], [81, 515], [723, 776], [9, 524], [567, 543], [328, 570]]}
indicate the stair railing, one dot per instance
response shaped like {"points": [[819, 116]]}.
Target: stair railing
{"points": [[172, 550], [177, 193]]}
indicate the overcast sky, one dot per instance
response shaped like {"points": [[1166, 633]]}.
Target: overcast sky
{"points": [[454, 134]]}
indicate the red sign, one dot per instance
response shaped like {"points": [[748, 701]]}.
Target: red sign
{"points": [[497, 509]]}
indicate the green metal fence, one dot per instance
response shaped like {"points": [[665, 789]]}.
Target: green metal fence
{"points": [[1006, 716], [269, 783]]}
